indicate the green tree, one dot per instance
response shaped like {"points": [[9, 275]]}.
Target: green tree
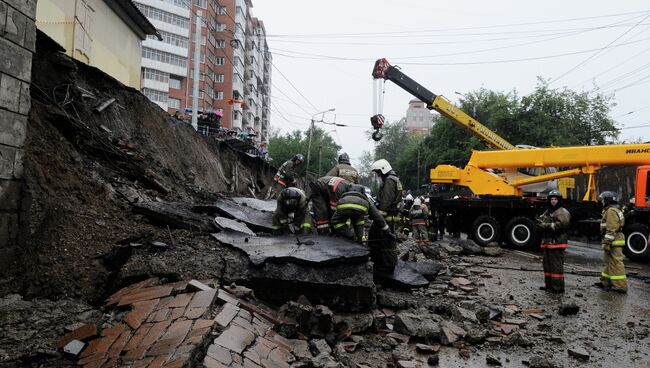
{"points": [[283, 147]]}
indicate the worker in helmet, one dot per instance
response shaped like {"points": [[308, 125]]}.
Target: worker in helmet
{"points": [[418, 219], [291, 200], [325, 193], [390, 192], [554, 223], [285, 177], [354, 206], [404, 209], [611, 226], [345, 170]]}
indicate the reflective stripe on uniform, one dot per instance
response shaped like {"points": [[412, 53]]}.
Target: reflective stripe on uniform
{"points": [[353, 206], [279, 181], [275, 227], [338, 226], [419, 223], [321, 222], [613, 277], [306, 225], [554, 275], [360, 222], [618, 243], [554, 246]]}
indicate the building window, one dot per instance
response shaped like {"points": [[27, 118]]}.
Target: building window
{"points": [[164, 16], [223, 10], [174, 103], [156, 75], [218, 95], [174, 83], [220, 78], [220, 61], [164, 57], [192, 93], [154, 95], [221, 27], [221, 44], [172, 39], [201, 3]]}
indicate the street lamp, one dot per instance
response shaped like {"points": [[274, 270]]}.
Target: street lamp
{"points": [[311, 131]]}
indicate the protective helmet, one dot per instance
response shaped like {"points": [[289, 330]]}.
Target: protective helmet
{"points": [[357, 188], [382, 166], [555, 193], [408, 197], [417, 202], [290, 193], [344, 158], [298, 157], [608, 197]]}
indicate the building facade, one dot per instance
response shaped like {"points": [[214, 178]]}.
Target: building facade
{"points": [[235, 63], [80, 27], [419, 120]]}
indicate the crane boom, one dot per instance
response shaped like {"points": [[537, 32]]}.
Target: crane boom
{"points": [[488, 137]]}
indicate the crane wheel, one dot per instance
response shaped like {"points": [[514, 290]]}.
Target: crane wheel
{"points": [[521, 233], [636, 242], [486, 229]]}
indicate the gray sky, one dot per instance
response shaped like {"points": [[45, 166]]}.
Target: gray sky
{"points": [[324, 51]]}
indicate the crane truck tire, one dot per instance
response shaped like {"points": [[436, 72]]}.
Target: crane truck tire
{"points": [[522, 233], [486, 229], [636, 243]]}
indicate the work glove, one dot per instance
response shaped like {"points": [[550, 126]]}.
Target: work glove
{"points": [[388, 234]]}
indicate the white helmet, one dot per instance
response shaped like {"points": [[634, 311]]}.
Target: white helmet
{"points": [[417, 202], [408, 197], [382, 166]]}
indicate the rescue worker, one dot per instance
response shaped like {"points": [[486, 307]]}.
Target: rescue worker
{"points": [[390, 192], [554, 223], [613, 276], [285, 177], [291, 200], [325, 192], [405, 207], [345, 170], [418, 220], [353, 207]]}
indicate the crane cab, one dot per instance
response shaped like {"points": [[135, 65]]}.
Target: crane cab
{"points": [[642, 192]]}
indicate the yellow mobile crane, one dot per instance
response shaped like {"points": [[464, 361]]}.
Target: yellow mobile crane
{"points": [[500, 208]]}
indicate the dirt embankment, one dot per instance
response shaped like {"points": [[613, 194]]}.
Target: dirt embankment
{"points": [[84, 169]]}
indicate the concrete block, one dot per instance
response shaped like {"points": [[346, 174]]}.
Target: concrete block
{"points": [[10, 195], [9, 92], [25, 102], [13, 128], [3, 16], [18, 164], [7, 160], [15, 60], [15, 27], [30, 36], [27, 7], [8, 229]]}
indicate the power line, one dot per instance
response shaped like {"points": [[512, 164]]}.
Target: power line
{"points": [[294, 87]]}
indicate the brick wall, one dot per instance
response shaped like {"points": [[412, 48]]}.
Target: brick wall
{"points": [[17, 42]]}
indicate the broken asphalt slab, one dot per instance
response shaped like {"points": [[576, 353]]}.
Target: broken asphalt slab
{"points": [[233, 225], [310, 250], [175, 214], [256, 219], [257, 204], [408, 275]]}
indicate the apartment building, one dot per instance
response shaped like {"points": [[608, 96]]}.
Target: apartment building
{"points": [[419, 119], [235, 63]]}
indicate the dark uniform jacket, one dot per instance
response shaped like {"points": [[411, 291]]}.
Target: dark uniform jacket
{"points": [[418, 215], [286, 174], [554, 224], [390, 193], [331, 188], [346, 172], [359, 202]]}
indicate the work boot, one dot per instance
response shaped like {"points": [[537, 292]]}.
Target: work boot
{"points": [[618, 290], [600, 285], [542, 288]]}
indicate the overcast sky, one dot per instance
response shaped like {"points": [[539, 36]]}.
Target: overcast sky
{"points": [[324, 51]]}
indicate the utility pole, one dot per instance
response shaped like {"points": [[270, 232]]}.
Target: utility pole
{"points": [[320, 153], [311, 131], [418, 184], [197, 69]]}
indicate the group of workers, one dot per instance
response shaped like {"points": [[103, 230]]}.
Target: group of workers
{"points": [[554, 224], [340, 206]]}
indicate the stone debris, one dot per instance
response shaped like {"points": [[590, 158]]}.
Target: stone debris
{"points": [[579, 353], [568, 309], [74, 347], [175, 214], [492, 360], [224, 223], [460, 281]]}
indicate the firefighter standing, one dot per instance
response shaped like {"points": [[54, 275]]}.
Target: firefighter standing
{"points": [[554, 223], [354, 205], [291, 200], [390, 192], [325, 192], [345, 170], [613, 276], [418, 219], [285, 177]]}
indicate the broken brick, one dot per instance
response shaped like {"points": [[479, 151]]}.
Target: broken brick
{"points": [[180, 301], [209, 362], [140, 312], [226, 315], [203, 323], [235, 338], [82, 333], [220, 354], [194, 313], [203, 299], [145, 294], [138, 336], [155, 332], [113, 299]]}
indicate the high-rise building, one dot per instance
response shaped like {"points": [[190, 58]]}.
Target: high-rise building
{"points": [[235, 63], [419, 120], [165, 62]]}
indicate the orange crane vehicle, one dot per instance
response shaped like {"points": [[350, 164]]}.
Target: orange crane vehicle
{"points": [[499, 211]]}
